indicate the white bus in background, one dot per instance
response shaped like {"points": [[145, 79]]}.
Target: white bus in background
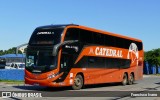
{"points": [[15, 65]]}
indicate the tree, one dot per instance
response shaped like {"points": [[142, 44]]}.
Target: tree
{"points": [[10, 51], [1, 52], [153, 57]]}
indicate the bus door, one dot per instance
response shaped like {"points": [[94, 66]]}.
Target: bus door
{"points": [[66, 64]]}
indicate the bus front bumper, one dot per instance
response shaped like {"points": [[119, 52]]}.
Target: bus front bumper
{"points": [[45, 82]]}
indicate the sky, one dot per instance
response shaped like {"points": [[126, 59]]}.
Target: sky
{"points": [[134, 18]]}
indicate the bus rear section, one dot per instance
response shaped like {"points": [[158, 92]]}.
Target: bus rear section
{"points": [[73, 55]]}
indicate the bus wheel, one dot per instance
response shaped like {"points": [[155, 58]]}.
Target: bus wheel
{"points": [[125, 79], [131, 79], [78, 82]]}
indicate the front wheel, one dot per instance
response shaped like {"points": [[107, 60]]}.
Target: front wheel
{"points": [[78, 82]]}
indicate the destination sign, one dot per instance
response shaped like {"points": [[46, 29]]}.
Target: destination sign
{"points": [[40, 33]]}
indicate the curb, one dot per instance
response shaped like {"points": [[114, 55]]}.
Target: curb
{"points": [[4, 84], [144, 76]]}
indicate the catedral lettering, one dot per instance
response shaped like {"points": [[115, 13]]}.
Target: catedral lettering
{"points": [[75, 55], [108, 52]]}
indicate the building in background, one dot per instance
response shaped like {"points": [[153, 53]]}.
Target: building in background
{"points": [[14, 58]]}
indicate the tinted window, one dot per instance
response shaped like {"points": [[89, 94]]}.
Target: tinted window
{"points": [[119, 42], [96, 62], [89, 37], [46, 36], [72, 34], [86, 36], [117, 63], [110, 40], [98, 38]]}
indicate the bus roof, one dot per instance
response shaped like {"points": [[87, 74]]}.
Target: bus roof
{"points": [[55, 26]]}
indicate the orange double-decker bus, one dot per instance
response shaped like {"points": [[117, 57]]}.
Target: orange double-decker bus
{"points": [[74, 55]]}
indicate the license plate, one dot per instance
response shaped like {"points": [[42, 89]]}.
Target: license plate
{"points": [[36, 84]]}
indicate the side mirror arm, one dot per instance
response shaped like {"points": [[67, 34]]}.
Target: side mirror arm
{"points": [[57, 46]]}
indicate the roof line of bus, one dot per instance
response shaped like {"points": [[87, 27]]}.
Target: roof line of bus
{"points": [[54, 26], [103, 32]]}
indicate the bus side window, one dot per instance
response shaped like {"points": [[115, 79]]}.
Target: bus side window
{"points": [[110, 41], [91, 60], [98, 38], [72, 34], [120, 42], [86, 37]]}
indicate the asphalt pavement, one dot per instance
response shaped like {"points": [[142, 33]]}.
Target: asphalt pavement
{"points": [[146, 89]]}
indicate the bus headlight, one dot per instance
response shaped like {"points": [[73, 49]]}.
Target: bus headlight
{"points": [[52, 75]]}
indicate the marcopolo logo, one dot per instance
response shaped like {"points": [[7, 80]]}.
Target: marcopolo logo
{"points": [[133, 53]]}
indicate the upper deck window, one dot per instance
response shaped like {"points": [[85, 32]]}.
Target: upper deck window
{"points": [[46, 36]]}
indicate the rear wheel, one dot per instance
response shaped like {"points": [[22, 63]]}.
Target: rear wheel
{"points": [[131, 79], [125, 79], [78, 82]]}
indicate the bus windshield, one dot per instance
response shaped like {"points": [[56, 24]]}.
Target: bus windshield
{"points": [[40, 61], [39, 57]]}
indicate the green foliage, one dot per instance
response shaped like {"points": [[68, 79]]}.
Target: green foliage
{"points": [[11, 81], [9, 51], [153, 57]]}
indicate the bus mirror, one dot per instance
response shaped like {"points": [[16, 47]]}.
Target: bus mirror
{"points": [[57, 46], [55, 49]]}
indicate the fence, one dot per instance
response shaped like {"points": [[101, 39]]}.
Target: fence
{"points": [[11, 74], [151, 69]]}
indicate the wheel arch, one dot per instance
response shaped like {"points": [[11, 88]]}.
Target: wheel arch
{"points": [[80, 73]]}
